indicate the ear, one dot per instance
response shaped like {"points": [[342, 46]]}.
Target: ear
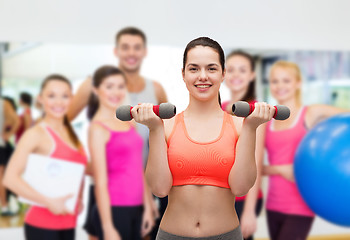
{"points": [[94, 91], [146, 51], [115, 51], [299, 85], [39, 99], [252, 77], [223, 75], [183, 74]]}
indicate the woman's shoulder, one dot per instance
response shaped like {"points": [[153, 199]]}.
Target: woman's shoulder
{"points": [[96, 126], [33, 135], [169, 126], [237, 123]]}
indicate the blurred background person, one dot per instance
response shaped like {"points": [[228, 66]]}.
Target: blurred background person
{"points": [[26, 121], [9, 123], [123, 209], [130, 50], [288, 216], [240, 79], [53, 137]]}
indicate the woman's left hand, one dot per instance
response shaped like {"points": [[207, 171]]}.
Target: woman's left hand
{"points": [[143, 113], [147, 222], [80, 206], [262, 113], [287, 172], [248, 224]]}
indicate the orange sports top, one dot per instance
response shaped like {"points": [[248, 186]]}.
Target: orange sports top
{"points": [[201, 163]]}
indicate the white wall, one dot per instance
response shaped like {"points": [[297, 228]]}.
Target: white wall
{"points": [[297, 24]]}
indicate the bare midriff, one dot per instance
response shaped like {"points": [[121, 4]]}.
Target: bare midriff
{"points": [[199, 211]]}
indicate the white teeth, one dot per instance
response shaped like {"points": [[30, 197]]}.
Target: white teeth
{"points": [[58, 109], [203, 86]]}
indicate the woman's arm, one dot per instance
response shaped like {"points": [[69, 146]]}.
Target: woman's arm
{"points": [[11, 121], [160, 93], [148, 217], [248, 218], [284, 170], [80, 99], [98, 138], [13, 175], [27, 119], [88, 170], [157, 174], [318, 112], [244, 171]]}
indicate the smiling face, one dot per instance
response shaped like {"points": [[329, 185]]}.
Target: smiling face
{"points": [[55, 98], [112, 91], [203, 73], [239, 73], [284, 84], [130, 51]]}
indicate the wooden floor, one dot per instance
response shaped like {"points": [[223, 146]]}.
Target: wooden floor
{"points": [[13, 221]]}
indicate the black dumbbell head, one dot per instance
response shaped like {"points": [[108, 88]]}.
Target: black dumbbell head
{"points": [[167, 110], [283, 112], [241, 109], [123, 113]]}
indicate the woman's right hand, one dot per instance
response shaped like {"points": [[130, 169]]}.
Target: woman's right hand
{"points": [[58, 205], [143, 113], [110, 233], [287, 172]]}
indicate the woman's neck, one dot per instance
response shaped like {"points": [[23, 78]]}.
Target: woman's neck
{"points": [[54, 123], [203, 109], [238, 95], [292, 104], [135, 82], [25, 107], [104, 113]]}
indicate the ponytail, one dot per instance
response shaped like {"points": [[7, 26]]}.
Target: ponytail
{"points": [[73, 137], [92, 106]]}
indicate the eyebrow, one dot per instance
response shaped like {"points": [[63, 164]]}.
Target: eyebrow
{"points": [[209, 65]]}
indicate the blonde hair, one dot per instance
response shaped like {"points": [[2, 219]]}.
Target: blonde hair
{"points": [[294, 68]]}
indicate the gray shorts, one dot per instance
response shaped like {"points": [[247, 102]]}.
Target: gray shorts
{"points": [[235, 234]]}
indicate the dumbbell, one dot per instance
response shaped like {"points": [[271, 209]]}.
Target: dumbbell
{"points": [[243, 109], [164, 111]]}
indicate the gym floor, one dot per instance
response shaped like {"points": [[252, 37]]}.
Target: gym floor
{"points": [[11, 229]]}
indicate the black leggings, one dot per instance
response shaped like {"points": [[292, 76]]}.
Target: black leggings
{"points": [[163, 202], [288, 227], [127, 221], [239, 205], [34, 233], [89, 225]]}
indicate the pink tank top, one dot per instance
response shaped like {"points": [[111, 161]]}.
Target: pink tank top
{"points": [[41, 217], [124, 167], [224, 107], [283, 195]]}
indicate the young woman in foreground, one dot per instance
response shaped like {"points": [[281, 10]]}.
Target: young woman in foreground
{"points": [[203, 158]]}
